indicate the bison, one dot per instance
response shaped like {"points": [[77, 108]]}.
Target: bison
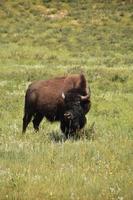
{"points": [[65, 99]]}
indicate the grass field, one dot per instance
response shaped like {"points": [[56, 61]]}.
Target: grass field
{"points": [[43, 39]]}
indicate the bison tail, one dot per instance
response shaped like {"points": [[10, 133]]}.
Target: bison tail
{"points": [[30, 100]]}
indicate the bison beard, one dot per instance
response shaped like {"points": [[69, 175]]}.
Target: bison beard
{"points": [[44, 99]]}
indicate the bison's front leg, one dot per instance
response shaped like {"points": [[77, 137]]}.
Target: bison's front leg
{"points": [[37, 120]]}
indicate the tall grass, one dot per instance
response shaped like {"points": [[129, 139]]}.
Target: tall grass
{"points": [[43, 39]]}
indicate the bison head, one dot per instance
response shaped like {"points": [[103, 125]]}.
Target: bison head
{"points": [[74, 114]]}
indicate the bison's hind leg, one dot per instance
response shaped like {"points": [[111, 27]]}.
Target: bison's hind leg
{"points": [[26, 120], [37, 120]]}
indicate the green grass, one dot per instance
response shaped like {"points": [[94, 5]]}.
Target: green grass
{"points": [[43, 39]]}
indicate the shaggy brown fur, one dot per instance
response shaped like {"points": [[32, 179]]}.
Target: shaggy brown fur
{"points": [[44, 98]]}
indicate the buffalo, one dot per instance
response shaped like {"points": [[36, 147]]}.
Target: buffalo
{"points": [[65, 99]]}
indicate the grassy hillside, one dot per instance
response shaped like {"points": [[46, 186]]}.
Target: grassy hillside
{"points": [[91, 33], [42, 39]]}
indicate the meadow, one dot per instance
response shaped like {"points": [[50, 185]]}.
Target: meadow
{"points": [[46, 38]]}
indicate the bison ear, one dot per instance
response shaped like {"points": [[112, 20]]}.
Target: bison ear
{"points": [[63, 95]]}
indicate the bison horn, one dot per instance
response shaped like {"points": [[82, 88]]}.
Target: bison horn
{"points": [[86, 97], [63, 95]]}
